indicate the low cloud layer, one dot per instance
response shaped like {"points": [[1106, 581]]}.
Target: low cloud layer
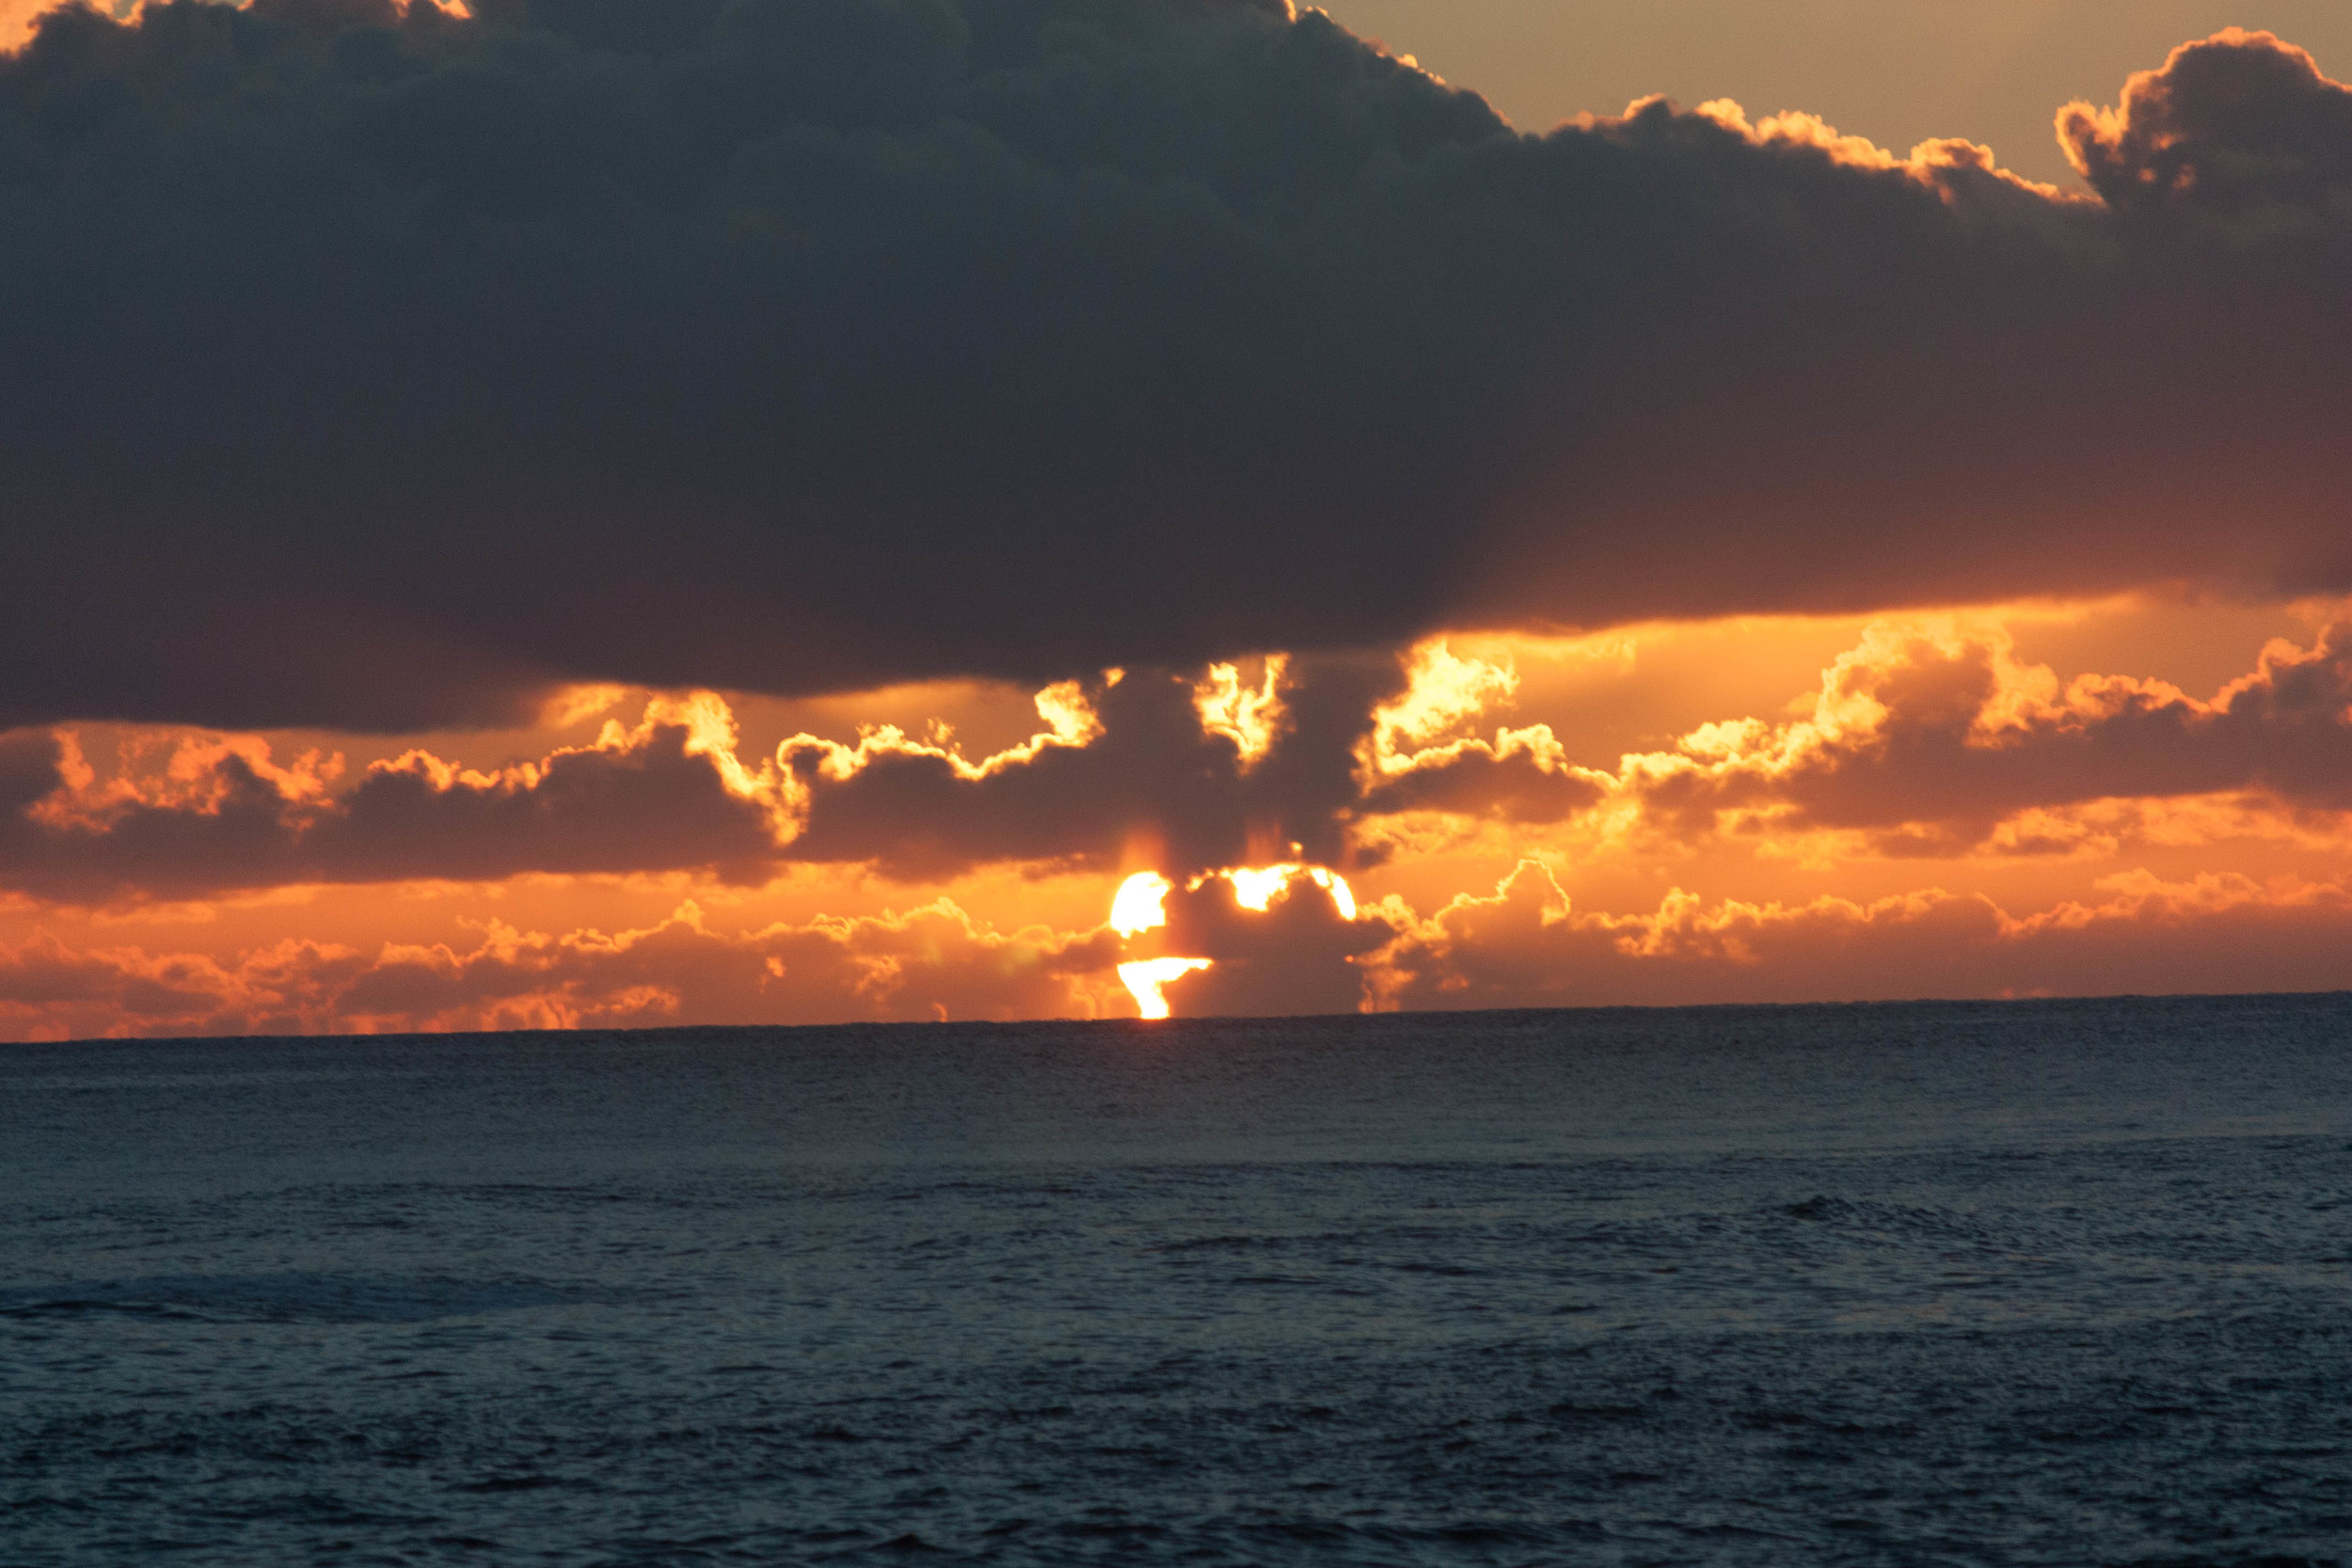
{"points": [[932, 962], [1523, 945], [378, 370], [1931, 737]]}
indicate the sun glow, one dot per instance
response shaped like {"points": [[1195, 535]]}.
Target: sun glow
{"points": [[1144, 978], [1443, 691], [1255, 886], [1250, 717], [1141, 904]]}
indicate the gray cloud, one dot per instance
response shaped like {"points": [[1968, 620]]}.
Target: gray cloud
{"points": [[1297, 956], [649, 805], [2240, 126], [376, 371], [1153, 782]]}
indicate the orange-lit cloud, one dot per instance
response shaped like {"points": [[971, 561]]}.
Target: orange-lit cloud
{"points": [[1930, 734], [1953, 166], [1252, 718], [217, 813], [19, 17], [1525, 946], [1407, 762], [932, 962], [183, 814]]}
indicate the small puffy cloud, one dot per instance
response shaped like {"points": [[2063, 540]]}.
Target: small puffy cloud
{"points": [[1417, 754], [2240, 128]]}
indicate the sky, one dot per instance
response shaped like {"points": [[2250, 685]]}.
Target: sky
{"points": [[1897, 72], [632, 513]]}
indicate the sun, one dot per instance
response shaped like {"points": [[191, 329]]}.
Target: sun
{"points": [[1140, 905], [1144, 978]]}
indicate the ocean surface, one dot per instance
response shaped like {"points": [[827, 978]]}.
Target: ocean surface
{"points": [[2064, 1283]]}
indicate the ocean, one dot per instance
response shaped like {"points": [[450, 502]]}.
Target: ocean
{"points": [[2046, 1282]]}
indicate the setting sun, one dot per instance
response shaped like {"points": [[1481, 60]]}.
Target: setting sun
{"points": [[1144, 978], [1141, 904]]}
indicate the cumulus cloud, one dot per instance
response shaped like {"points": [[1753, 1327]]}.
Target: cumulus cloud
{"points": [[1412, 757], [219, 813], [2240, 126], [1932, 734], [379, 369]]}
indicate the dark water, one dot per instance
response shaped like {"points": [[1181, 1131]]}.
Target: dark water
{"points": [[2047, 1283]]}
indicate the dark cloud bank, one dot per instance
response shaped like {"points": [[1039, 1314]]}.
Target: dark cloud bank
{"points": [[374, 370]]}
